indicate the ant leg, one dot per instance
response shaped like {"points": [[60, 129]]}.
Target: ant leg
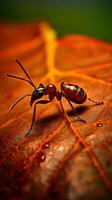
{"points": [[13, 105], [97, 103], [63, 111], [62, 108], [33, 120], [74, 111], [34, 114]]}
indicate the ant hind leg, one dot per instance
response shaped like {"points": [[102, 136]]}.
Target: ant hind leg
{"points": [[74, 111], [96, 102]]}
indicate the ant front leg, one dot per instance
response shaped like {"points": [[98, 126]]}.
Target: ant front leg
{"points": [[34, 114], [96, 102]]}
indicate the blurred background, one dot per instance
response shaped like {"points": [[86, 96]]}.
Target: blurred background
{"points": [[87, 17]]}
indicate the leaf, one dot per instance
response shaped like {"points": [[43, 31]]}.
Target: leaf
{"points": [[62, 158]]}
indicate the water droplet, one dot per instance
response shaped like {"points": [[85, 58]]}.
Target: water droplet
{"points": [[41, 156], [61, 148], [99, 125], [92, 141], [46, 145]]}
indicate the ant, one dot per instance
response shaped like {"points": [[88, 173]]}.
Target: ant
{"points": [[72, 93]]}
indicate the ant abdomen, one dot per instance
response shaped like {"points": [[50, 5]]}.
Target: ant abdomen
{"points": [[74, 93]]}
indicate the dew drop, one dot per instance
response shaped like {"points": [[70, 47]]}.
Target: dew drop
{"points": [[46, 145], [41, 156], [99, 125], [92, 142], [61, 148]]}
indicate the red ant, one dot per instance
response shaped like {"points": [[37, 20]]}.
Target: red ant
{"points": [[71, 92]]}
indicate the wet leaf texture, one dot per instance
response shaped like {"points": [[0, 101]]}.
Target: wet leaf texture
{"points": [[62, 158]]}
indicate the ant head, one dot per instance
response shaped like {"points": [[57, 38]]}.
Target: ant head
{"points": [[37, 93]]}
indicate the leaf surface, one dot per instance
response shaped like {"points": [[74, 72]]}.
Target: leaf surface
{"points": [[62, 158]]}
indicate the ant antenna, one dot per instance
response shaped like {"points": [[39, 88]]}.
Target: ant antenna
{"points": [[24, 71], [29, 81], [23, 79], [18, 100]]}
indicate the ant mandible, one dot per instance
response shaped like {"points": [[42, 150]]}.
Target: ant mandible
{"points": [[71, 92]]}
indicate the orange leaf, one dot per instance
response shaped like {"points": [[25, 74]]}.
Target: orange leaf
{"points": [[62, 158]]}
